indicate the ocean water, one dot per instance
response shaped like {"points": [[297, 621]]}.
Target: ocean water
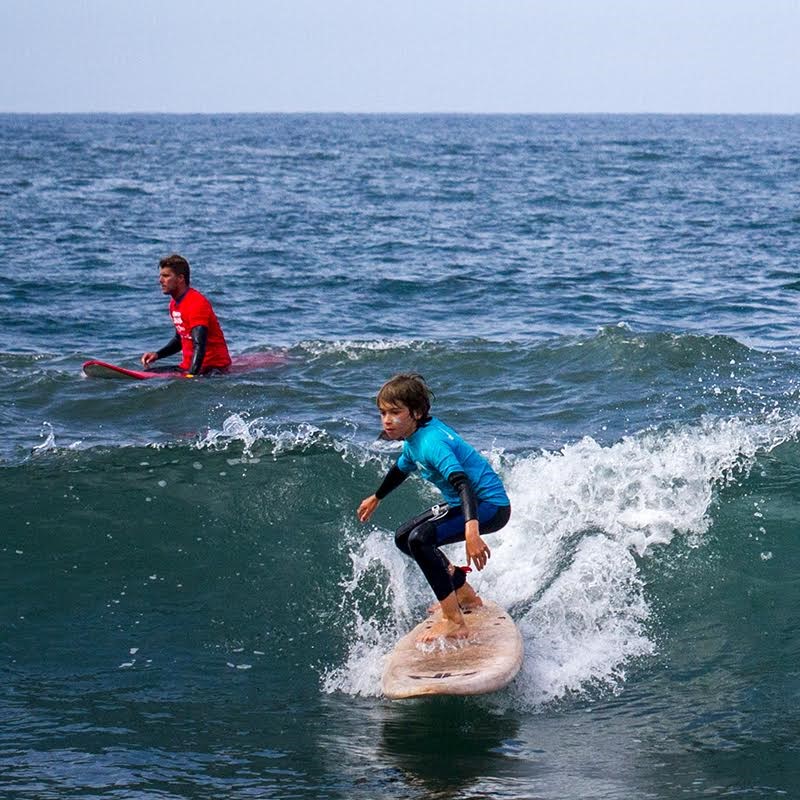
{"points": [[605, 306]]}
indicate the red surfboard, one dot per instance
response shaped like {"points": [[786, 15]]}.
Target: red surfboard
{"points": [[243, 363]]}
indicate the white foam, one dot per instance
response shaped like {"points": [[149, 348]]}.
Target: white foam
{"points": [[355, 349], [238, 429], [382, 566], [50, 441], [259, 435], [442, 644], [235, 428], [567, 565]]}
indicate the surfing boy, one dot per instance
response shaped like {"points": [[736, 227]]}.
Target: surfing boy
{"points": [[476, 499], [197, 331]]}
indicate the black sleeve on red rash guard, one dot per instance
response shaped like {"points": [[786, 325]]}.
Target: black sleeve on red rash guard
{"points": [[394, 477], [469, 505], [170, 348], [199, 340]]}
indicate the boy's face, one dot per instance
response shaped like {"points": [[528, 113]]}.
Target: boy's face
{"points": [[398, 422]]}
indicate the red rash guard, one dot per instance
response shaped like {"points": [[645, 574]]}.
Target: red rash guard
{"points": [[191, 310]]}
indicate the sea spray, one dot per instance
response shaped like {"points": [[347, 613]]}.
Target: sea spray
{"points": [[262, 436], [371, 635], [568, 563]]}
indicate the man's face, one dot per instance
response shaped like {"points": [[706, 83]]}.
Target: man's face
{"points": [[170, 282]]}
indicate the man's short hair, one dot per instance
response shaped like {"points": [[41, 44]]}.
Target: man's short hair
{"points": [[178, 264]]}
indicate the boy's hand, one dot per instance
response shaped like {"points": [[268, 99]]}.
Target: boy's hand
{"points": [[367, 508], [478, 552]]}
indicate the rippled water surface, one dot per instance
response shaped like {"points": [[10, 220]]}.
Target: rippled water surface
{"points": [[605, 306]]}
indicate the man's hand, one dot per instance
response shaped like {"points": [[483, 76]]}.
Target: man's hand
{"points": [[149, 358]]}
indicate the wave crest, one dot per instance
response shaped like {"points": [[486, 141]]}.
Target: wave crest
{"points": [[569, 565]]}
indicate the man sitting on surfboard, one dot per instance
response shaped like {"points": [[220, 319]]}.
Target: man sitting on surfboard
{"points": [[197, 332], [476, 500]]}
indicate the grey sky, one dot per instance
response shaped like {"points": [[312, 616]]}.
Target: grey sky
{"points": [[411, 55]]}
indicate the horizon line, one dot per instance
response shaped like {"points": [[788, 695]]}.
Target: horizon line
{"points": [[408, 113]]}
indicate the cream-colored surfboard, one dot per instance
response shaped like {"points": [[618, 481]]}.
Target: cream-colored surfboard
{"points": [[486, 662]]}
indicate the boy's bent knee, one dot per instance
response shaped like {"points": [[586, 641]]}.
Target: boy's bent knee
{"points": [[421, 537], [401, 540]]}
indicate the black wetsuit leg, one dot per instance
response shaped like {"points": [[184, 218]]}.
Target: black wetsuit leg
{"points": [[421, 536]]}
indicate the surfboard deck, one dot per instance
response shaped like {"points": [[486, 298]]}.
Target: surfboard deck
{"points": [[242, 363], [486, 662], [101, 369]]}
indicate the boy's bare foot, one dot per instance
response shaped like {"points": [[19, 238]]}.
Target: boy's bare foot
{"points": [[467, 598], [450, 625], [444, 629]]}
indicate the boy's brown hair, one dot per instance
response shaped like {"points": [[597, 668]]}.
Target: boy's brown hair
{"points": [[408, 389]]}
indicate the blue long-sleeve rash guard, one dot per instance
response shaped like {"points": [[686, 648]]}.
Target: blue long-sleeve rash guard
{"points": [[439, 453]]}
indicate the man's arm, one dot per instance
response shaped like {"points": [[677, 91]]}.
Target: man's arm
{"points": [[172, 347], [199, 341]]}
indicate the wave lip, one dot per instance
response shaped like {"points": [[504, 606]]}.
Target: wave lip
{"points": [[572, 565]]}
